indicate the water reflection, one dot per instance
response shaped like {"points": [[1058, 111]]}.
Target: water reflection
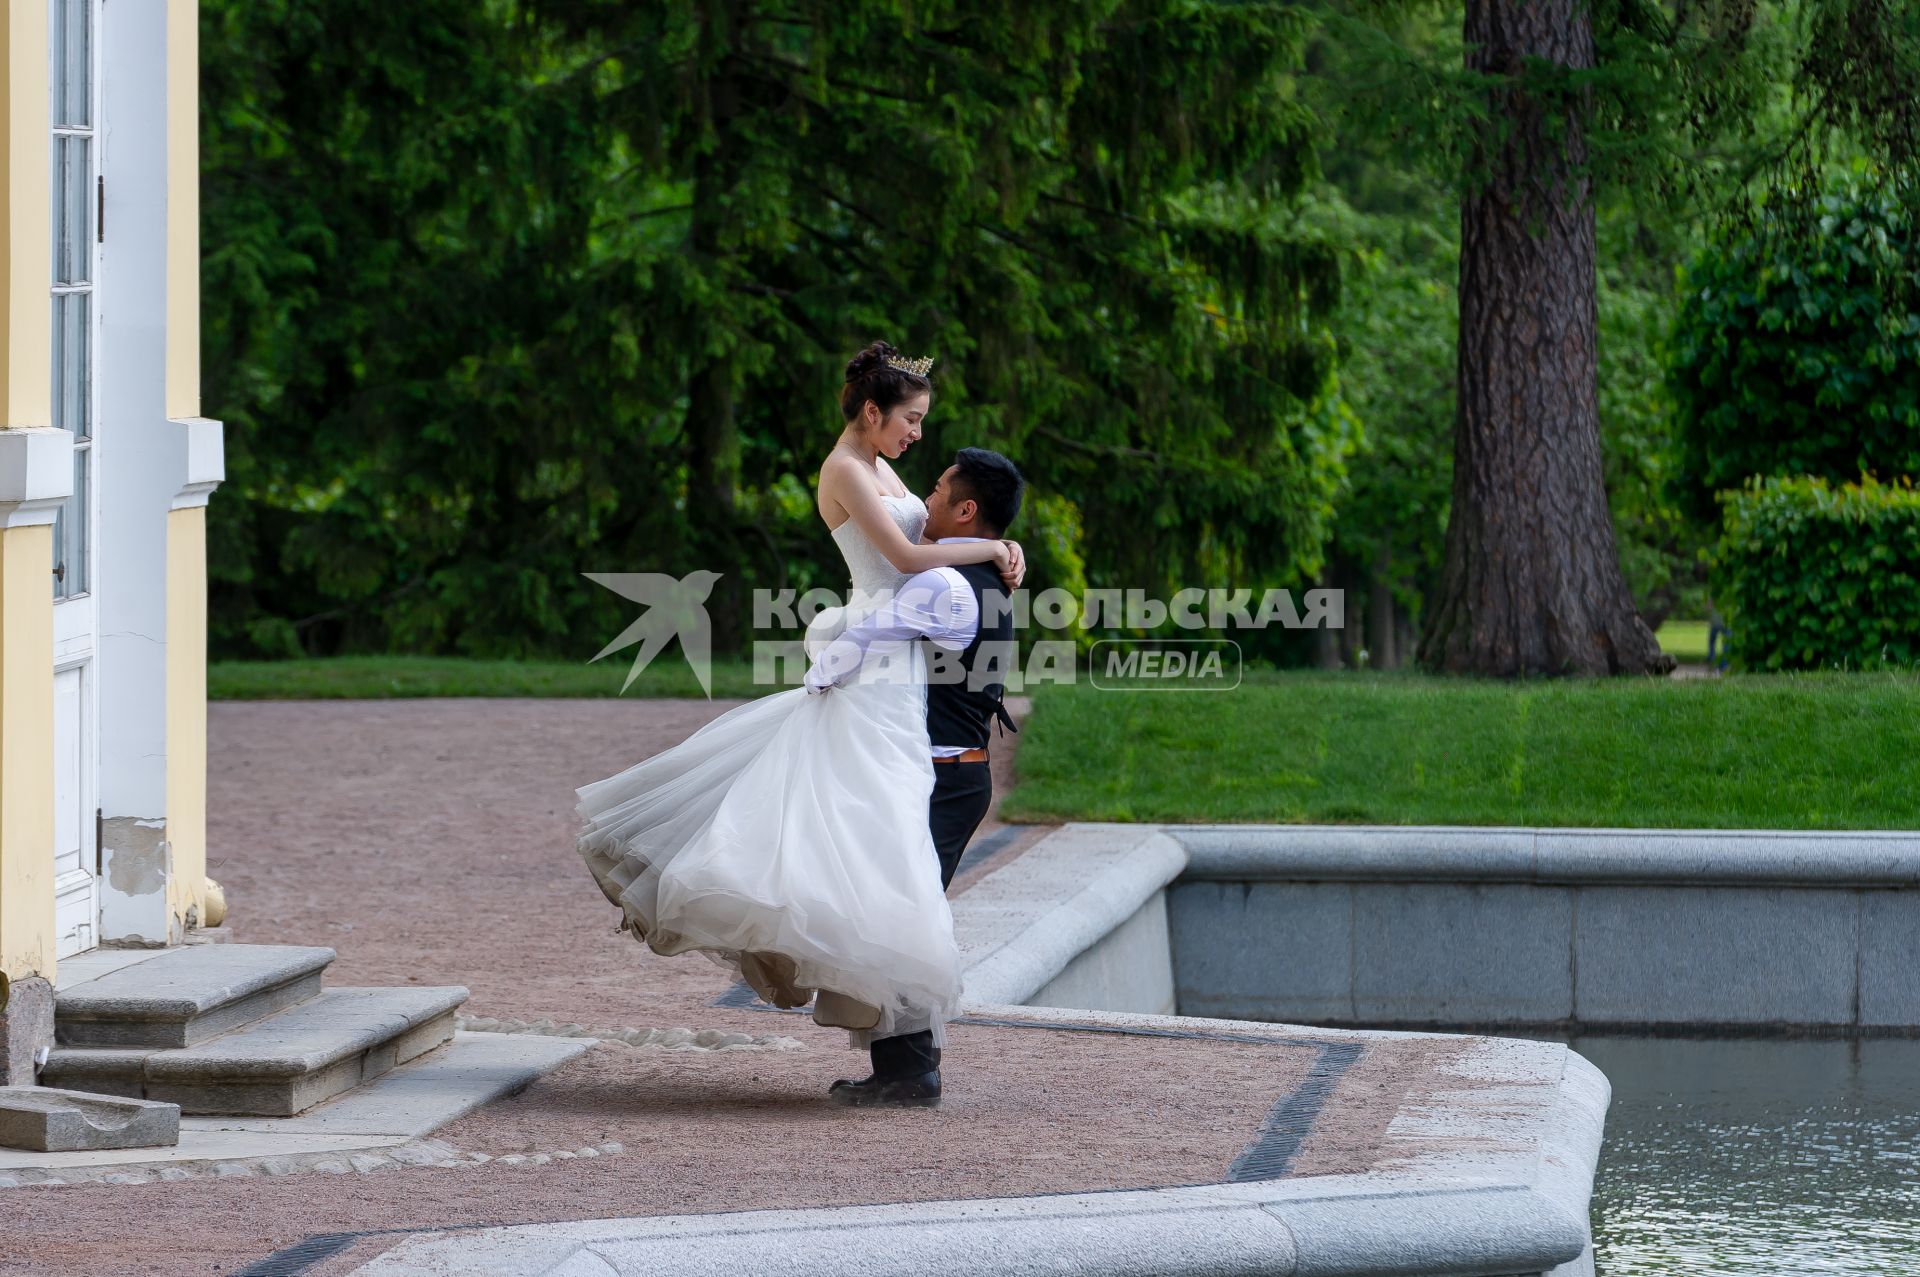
{"points": [[1752, 1157]]}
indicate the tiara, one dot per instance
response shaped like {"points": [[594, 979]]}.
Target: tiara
{"points": [[918, 367]]}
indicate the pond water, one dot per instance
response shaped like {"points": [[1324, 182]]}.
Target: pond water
{"points": [[1758, 1157]]}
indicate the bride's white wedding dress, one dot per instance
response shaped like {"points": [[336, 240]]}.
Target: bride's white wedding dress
{"points": [[788, 838]]}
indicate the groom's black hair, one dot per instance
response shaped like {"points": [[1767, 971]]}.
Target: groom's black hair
{"points": [[990, 481]]}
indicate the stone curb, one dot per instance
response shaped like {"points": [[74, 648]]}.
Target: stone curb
{"points": [[1747, 858], [1020, 926], [1570, 1150], [1348, 1231]]}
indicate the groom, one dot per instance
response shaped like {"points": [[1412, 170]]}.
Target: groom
{"points": [[965, 615]]}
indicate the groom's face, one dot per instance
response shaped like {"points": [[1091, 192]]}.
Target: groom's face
{"points": [[946, 516]]}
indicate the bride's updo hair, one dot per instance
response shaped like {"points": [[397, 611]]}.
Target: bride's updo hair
{"points": [[870, 376]]}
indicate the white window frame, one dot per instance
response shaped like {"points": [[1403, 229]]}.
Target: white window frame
{"points": [[76, 580], [75, 608]]}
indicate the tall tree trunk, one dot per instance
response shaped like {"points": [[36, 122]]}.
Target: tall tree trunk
{"points": [[1381, 652], [711, 429], [1326, 642], [1532, 581]]}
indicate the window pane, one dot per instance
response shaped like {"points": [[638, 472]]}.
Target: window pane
{"points": [[60, 551], [77, 558], [71, 356], [72, 62], [72, 210], [70, 533]]}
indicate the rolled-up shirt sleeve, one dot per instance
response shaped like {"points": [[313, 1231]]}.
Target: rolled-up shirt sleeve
{"points": [[935, 604]]}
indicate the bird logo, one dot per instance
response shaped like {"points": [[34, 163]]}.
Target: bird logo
{"points": [[674, 606]]}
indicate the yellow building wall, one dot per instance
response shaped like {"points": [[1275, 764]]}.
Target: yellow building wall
{"points": [[26, 266], [26, 553], [187, 711], [26, 751]]}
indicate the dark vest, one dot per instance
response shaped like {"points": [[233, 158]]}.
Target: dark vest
{"points": [[964, 688]]}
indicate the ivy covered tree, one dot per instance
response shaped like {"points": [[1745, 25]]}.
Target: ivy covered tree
{"points": [[1556, 103]]}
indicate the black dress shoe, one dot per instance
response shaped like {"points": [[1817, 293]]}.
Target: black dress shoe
{"points": [[922, 1090]]}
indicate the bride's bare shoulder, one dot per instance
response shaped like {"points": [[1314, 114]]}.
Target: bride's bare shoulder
{"points": [[838, 475], [837, 465]]}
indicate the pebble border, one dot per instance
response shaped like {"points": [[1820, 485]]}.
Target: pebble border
{"points": [[653, 1039], [435, 1153]]}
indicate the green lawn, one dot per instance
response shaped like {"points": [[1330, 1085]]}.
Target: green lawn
{"points": [[387, 676], [1686, 641], [1828, 751]]}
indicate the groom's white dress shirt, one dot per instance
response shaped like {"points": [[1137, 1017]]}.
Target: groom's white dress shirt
{"points": [[936, 604]]}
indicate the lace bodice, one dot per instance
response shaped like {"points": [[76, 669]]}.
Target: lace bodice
{"points": [[869, 570]]}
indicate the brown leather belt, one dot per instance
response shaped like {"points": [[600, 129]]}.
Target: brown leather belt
{"points": [[971, 756]]}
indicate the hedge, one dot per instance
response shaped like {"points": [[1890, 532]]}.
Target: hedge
{"points": [[1818, 575], [1796, 349]]}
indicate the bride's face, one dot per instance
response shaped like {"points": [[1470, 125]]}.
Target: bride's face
{"points": [[899, 430]]}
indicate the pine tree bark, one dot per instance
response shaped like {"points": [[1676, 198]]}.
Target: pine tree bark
{"points": [[1532, 581]]}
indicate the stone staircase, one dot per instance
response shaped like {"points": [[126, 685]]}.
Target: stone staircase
{"points": [[238, 1029]]}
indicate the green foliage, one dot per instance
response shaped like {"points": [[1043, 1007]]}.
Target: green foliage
{"points": [[1796, 349], [1397, 377], [1662, 552], [1819, 575], [500, 292], [423, 358]]}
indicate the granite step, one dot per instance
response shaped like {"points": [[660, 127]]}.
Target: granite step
{"points": [[278, 1066], [189, 995]]}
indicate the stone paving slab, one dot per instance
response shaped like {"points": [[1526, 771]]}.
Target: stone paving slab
{"points": [[95, 963], [45, 1119]]}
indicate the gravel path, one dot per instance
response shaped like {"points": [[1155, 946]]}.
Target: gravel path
{"points": [[430, 841]]}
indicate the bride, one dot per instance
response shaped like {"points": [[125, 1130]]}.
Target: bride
{"points": [[788, 838]]}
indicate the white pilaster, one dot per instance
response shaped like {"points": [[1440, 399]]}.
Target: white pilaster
{"points": [[143, 459]]}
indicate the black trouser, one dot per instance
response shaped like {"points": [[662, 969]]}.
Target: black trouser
{"points": [[962, 792]]}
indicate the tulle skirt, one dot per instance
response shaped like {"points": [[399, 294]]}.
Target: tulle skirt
{"points": [[788, 840]]}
